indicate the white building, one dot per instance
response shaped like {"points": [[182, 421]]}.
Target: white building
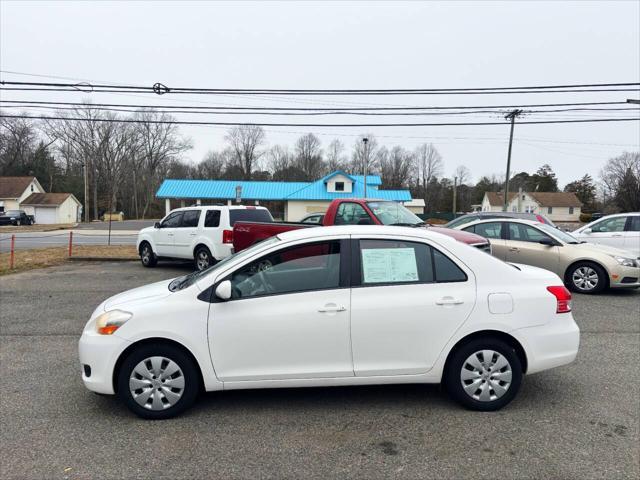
{"points": [[26, 193], [557, 206]]}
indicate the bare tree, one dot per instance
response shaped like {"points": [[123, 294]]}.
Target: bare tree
{"points": [[621, 178], [463, 174], [308, 156], [335, 158], [429, 165], [396, 167], [245, 142], [212, 165], [365, 154]]}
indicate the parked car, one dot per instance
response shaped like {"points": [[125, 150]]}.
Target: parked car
{"points": [[352, 305], [470, 217], [203, 234], [15, 217], [584, 267], [349, 211], [621, 230]]}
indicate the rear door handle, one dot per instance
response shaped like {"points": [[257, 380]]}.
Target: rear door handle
{"points": [[192, 234], [514, 249], [332, 308], [617, 235], [446, 301]]}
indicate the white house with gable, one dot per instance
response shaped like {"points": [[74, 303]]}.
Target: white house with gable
{"points": [[557, 206]]}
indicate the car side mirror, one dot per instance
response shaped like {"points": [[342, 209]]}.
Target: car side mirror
{"points": [[587, 231], [223, 290], [546, 241], [156, 225]]}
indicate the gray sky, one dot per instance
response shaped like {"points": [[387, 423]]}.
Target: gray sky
{"points": [[349, 45]]}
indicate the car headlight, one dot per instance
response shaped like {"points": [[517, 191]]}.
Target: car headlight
{"points": [[626, 262], [110, 321]]}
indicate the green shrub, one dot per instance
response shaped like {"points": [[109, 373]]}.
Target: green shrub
{"points": [[585, 217]]}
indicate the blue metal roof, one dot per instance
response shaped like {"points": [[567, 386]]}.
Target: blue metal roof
{"points": [[226, 189]]}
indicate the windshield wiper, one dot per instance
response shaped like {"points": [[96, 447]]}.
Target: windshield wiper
{"points": [[404, 224]]}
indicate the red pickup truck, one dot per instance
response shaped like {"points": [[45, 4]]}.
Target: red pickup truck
{"points": [[350, 211]]}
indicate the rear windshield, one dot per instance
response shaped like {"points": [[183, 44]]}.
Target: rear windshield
{"points": [[249, 215]]}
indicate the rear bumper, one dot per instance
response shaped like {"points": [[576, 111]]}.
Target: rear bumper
{"points": [[551, 345]]}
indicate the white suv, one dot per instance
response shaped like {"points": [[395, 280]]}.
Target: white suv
{"points": [[621, 230], [204, 234]]}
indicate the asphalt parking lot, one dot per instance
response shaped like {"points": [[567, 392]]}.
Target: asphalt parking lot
{"points": [[579, 421]]}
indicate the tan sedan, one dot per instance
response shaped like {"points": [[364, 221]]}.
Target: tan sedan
{"points": [[584, 267]]}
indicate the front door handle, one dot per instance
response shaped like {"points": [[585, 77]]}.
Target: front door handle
{"points": [[447, 301], [332, 308], [616, 235], [514, 249]]}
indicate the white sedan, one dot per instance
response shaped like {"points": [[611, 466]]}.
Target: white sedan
{"points": [[347, 305]]}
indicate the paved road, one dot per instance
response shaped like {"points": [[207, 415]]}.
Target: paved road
{"points": [[579, 421], [27, 240]]}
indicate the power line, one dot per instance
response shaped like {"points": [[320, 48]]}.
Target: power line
{"points": [[321, 109], [317, 125]]}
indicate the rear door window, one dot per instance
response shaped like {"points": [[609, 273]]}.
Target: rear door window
{"points": [[212, 219], [487, 230], [634, 224]]}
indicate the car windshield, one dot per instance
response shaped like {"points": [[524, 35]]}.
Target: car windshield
{"points": [[460, 221], [559, 234], [12, 212], [393, 213], [191, 278]]}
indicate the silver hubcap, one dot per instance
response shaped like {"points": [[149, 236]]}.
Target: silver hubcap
{"points": [[585, 278], [202, 260], [146, 255], [157, 383], [486, 375]]}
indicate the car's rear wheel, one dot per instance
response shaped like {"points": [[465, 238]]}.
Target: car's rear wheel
{"points": [[158, 381], [586, 277], [203, 258], [484, 374], [147, 257]]}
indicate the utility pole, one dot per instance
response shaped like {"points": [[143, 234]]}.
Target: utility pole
{"points": [[455, 181], [86, 191], [365, 140], [510, 116]]}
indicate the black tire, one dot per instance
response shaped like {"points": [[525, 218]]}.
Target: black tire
{"points": [[202, 258], [580, 270], [18, 223], [189, 372], [453, 382], [147, 257]]}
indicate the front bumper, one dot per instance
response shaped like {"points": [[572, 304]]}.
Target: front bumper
{"points": [[625, 277], [99, 353], [550, 345]]}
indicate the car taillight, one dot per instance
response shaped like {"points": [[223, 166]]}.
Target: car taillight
{"points": [[563, 297], [540, 219], [227, 236]]}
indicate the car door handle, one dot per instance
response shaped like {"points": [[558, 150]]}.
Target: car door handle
{"points": [[445, 301], [192, 234], [169, 234], [332, 309], [617, 235], [514, 249]]}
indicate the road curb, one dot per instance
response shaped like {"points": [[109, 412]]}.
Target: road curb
{"points": [[101, 259]]}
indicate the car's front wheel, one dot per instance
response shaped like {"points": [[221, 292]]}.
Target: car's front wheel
{"points": [[484, 374], [158, 381], [586, 277], [147, 257]]}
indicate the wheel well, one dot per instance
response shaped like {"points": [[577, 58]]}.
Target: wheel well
{"points": [[195, 249], [606, 276], [142, 244], [153, 341], [505, 337]]}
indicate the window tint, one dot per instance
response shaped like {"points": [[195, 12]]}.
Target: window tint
{"points": [[173, 220], [314, 266], [212, 218], [615, 224], [190, 218], [446, 270], [525, 233], [391, 261], [249, 215], [488, 230], [350, 213], [634, 224]]}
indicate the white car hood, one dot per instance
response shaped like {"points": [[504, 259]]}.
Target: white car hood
{"points": [[139, 295]]}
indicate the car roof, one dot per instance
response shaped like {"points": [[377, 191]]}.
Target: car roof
{"points": [[505, 219], [230, 207], [318, 232]]}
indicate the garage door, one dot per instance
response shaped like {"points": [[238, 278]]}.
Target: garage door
{"points": [[46, 215]]}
